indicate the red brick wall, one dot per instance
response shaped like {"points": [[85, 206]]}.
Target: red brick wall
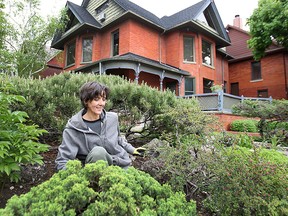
{"points": [[142, 40], [226, 119], [273, 76]]}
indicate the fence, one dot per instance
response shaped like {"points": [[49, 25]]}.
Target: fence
{"points": [[220, 101]]}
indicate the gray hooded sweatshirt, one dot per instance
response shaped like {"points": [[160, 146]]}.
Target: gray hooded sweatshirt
{"points": [[78, 140]]}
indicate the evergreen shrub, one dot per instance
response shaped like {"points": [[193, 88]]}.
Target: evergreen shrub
{"points": [[52, 101], [98, 189]]}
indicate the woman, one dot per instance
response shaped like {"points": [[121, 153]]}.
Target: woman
{"points": [[93, 134]]}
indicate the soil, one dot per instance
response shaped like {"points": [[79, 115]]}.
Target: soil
{"points": [[30, 176]]}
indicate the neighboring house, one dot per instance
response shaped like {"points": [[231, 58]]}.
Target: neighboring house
{"points": [[54, 65], [182, 52], [264, 78]]}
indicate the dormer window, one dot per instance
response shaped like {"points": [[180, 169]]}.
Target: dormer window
{"points": [[102, 7]]}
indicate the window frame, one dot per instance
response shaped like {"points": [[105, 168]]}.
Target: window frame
{"points": [[265, 91], [210, 53], [256, 72], [193, 90], [192, 47], [83, 51], [102, 7], [73, 43], [207, 84], [114, 47]]}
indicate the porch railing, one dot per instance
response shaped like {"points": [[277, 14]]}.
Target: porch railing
{"points": [[220, 101]]}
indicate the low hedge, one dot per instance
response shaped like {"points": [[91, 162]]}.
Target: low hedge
{"points": [[244, 125]]}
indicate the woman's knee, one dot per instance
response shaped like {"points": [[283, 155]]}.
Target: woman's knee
{"points": [[98, 153]]}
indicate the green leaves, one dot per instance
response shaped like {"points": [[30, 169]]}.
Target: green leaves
{"points": [[268, 24], [24, 38], [18, 141]]}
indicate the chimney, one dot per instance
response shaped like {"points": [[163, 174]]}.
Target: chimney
{"points": [[237, 22]]}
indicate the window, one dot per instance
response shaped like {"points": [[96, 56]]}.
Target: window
{"points": [[70, 54], [235, 89], [207, 85], [87, 49], [102, 7], [115, 43], [207, 57], [263, 93], [189, 86], [189, 49], [225, 87], [256, 70]]}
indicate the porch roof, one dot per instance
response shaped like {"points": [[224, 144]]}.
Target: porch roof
{"points": [[131, 57]]}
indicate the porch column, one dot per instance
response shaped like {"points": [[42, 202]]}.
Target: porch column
{"points": [[161, 80], [100, 68], [137, 72], [179, 84]]}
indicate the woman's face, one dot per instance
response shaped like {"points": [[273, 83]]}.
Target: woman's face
{"points": [[96, 105]]}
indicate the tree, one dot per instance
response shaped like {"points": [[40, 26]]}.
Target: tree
{"points": [[26, 37], [268, 24]]}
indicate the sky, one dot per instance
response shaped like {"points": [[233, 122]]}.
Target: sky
{"points": [[226, 8]]}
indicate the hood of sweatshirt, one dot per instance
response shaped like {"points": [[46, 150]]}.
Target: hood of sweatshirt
{"points": [[76, 122]]}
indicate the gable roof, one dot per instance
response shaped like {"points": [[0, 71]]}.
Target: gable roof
{"points": [[184, 18], [185, 15], [239, 47], [84, 21], [82, 15], [136, 9]]}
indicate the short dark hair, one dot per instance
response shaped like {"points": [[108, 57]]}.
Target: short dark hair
{"points": [[91, 90]]}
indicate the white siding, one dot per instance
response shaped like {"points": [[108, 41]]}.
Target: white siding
{"points": [[111, 13]]}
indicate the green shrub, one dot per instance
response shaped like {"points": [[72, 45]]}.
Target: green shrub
{"points": [[248, 183], [98, 188], [245, 125], [228, 180], [273, 118], [52, 101], [18, 140]]}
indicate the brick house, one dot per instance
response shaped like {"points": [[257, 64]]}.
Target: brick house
{"points": [[264, 78], [183, 52]]}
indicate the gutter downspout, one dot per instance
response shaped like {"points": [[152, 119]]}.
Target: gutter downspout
{"points": [[160, 45], [285, 74]]}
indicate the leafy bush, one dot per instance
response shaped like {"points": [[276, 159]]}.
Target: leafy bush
{"points": [[244, 125], [227, 180], [107, 190], [248, 183], [18, 140]]}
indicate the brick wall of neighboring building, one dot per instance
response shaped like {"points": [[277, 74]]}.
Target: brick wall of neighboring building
{"points": [[273, 73]]}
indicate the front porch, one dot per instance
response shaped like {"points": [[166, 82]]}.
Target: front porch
{"points": [[139, 70]]}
